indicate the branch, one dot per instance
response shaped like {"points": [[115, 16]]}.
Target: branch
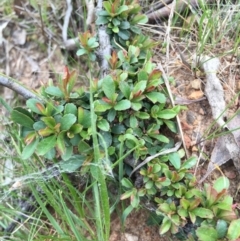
{"points": [[17, 87], [66, 21], [163, 12], [104, 45]]}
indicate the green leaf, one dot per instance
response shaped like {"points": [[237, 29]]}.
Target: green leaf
{"points": [[171, 125], [39, 125], [207, 234], [84, 147], [67, 121], [175, 159], [102, 20], [31, 104], [139, 87], [122, 105], [126, 183], [166, 114], [116, 22], [126, 195], [92, 42], [142, 115], [122, 9], [81, 52], [161, 138], [226, 203], [221, 228], [156, 97], [108, 6], [190, 162], [125, 88], [118, 129], [46, 145], [133, 121], [60, 144], [234, 230], [165, 226], [103, 125], [84, 117], [29, 149], [165, 208], [139, 19], [124, 25], [72, 164], [203, 213], [135, 201], [115, 29], [137, 106], [124, 34], [221, 183], [126, 212], [111, 115], [142, 75], [108, 87], [101, 106], [68, 153], [54, 91], [70, 108], [105, 139], [49, 121], [20, 116]]}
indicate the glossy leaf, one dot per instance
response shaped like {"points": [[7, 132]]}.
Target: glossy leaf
{"points": [[49, 121], [72, 164], [32, 105], [126, 183], [221, 183], [20, 117], [156, 97], [60, 144], [221, 228], [108, 87], [165, 226], [189, 163], [70, 108], [124, 87], [103, 125], [175, 159], [207, 234], [67, 121], [203, 213], [234, 230], [46, 145], [54, 91], [166, 114], [122, 105], [29, 149]]}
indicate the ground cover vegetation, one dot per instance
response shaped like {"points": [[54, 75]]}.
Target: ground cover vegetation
{"points": [[119, 132]]}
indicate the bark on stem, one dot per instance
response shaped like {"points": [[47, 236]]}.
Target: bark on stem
{"points": [[104, 50], [17, 87]]}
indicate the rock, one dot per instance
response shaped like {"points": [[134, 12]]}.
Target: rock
{"points": [[190, 117], [130, 237]]}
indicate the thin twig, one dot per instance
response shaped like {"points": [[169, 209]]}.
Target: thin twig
{"points": [[173, 104], [17, 87], [66, 20]]}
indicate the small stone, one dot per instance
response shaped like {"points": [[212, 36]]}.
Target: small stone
{"points": [[190, 117], [195, 95], [130, 237], [196, 84]]}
